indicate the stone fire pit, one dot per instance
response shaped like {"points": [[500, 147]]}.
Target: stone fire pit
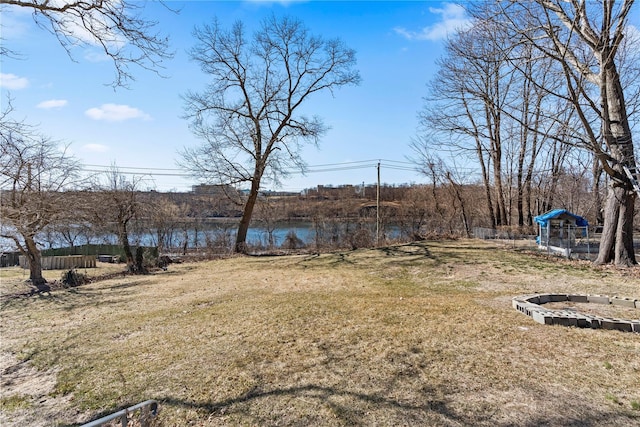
{"points": [[533, 306]]}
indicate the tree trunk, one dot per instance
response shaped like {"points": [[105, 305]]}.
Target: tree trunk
{"points": [[124, 241], [595, 190], [617, 235], [35, 265], [463, 213], [616, 244], [487, 184], [245, 221]]}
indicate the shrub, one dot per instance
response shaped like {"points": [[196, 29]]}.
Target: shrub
{"points": [[292, 241], [71, 279], [361, 238]]}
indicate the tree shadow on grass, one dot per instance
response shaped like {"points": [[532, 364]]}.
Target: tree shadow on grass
{"points": [[398, 254], [70, 299], [354, 408], [412, 251], [347, 407]]}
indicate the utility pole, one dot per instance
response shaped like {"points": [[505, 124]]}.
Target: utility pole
{"points": [[378, 208]]}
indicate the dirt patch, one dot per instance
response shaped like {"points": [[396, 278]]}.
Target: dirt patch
{"points": [[26, 395]]}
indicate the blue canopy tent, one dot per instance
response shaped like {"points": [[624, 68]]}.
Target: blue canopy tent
{"points": [[558, 229]]}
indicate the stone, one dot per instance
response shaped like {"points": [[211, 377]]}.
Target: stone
{"points": [[578, 298], [543, 299], [598, 299], [623, 302], [542, 317], [565, 320], [558, 297], [615, 324]]}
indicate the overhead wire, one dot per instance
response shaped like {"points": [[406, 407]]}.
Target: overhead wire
{"points": [[320, 168]]}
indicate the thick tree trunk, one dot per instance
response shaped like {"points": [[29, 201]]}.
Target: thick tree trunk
{"points": [[245, 221], [617, 235], [35, 265], [616, 244]]}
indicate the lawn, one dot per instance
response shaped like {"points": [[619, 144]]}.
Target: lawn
{"points": [[418, 334]]}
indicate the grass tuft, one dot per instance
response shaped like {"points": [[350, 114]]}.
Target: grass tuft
{"points": [[14, 402]]}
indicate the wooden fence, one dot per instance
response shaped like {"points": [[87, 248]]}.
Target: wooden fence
{"points": [[63, 262], [9, 259]]}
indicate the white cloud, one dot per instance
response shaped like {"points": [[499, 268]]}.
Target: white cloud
{"points": [[632, 32], [116, 113], [96, 56], [13, 82], [15, 21], [95, 148], [96, 21], [52, 103], [453, 17], [284, 3]]}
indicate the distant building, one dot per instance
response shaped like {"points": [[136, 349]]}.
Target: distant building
{"points": [[330, 192]]}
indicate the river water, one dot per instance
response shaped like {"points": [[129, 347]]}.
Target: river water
{"points": [[223, 232]]}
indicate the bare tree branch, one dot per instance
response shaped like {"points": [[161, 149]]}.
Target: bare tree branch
{"points": [[115, 26]]}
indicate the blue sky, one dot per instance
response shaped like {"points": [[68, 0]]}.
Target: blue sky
{"points": [[140, 129]]}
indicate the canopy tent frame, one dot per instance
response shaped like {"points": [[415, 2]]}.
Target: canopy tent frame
{"points": [[557, 230]]}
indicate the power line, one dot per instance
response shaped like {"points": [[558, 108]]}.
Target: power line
{"points": [[327, 167], [133, 167], [184, 175]]}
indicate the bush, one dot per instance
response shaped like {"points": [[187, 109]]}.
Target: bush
{"points": [[292, 241], [71, 279], [219, 241], [361, 239]]}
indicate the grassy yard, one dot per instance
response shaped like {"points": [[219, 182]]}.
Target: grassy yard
{"points": [[419, 334]]}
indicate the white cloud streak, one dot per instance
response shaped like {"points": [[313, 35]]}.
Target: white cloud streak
{"points": [[284, 3], [15, 22], [93, 19], [116, 113], [13, 82], [453, 17], [52, 103], [95, 148]]}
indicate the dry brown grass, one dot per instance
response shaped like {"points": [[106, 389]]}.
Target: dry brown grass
{"points": [[419, 334], [14, 280]]}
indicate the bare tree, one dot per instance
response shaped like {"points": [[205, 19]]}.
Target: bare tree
{"points": [[115, 26], [586, 41], [445, 186], [464, 111], [249, 115], [34, 172], [165, 218], [118, 204]]}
